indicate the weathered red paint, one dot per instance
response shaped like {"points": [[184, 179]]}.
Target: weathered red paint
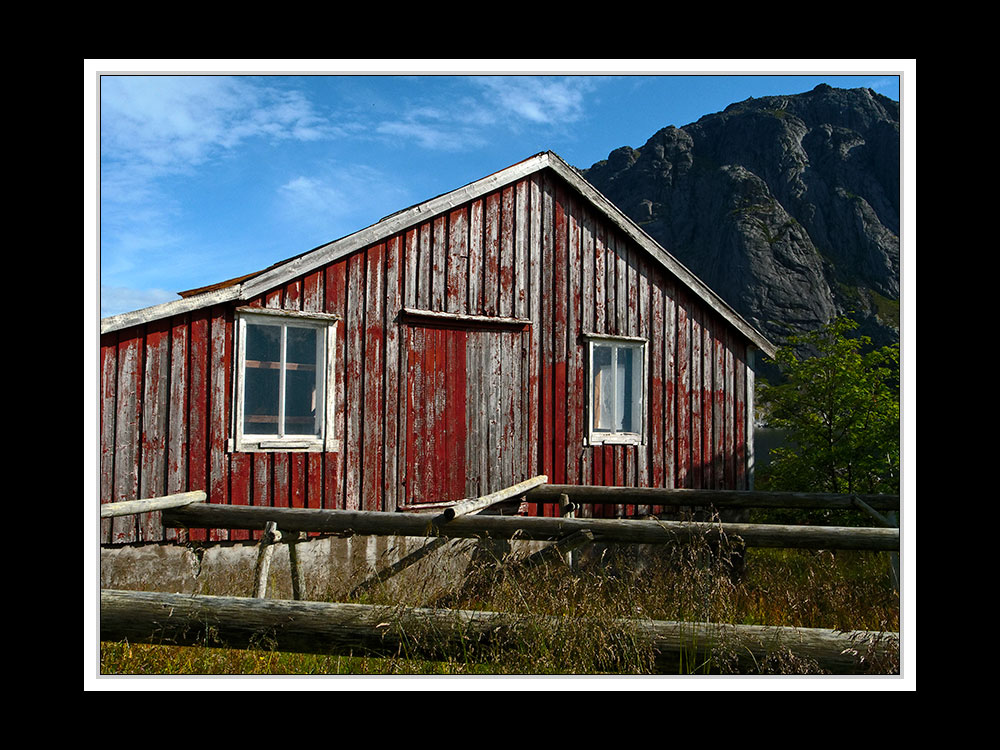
{"points": [[373, 378], [198, 409], [333, 463], [177, 437]]}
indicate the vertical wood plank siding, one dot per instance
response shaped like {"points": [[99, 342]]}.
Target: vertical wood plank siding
{"points": [[430, 413]]}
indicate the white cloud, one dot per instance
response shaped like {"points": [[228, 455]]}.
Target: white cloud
{"points": [[156, 127], [539, 100], [438, 135], [308, 196], [116, 299], [164, 124], [892, 84], [337, 199], [495, 102]]}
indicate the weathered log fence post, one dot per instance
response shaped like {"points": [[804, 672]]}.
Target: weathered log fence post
{"points": [[569, 544], [890, 522], [296, 567], [265, 552], [561, 549]]}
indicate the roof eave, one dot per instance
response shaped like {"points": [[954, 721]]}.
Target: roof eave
{"points": [[167, 309]]}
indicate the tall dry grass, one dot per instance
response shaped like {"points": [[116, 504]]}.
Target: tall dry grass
{"points": [[582, 620]]}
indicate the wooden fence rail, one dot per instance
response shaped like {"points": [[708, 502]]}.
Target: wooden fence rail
{"points": [[346, 629], [128, 507], [534, 528], [598, 495]]}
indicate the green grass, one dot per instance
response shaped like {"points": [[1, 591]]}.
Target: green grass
{"points": [[843, 591]]}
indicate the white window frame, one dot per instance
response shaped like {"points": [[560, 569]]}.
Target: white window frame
{"points": [[604, 437], [325, 442]]}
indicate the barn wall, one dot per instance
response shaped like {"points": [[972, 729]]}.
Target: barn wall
{"points": [[530, 250]]}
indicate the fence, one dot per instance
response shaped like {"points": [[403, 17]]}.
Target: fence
{"points": [[465, 520], [343, 628]]}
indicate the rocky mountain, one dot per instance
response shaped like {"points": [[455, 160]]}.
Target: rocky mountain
{"points": [[787, 206]]}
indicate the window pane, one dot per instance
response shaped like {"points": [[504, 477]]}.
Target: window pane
{"points": [[604, 388], [263, 362], [638, 390], [301, 391], [301, 345], [263, 343], [624, 390]]}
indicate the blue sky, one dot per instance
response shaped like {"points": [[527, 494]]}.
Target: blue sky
{"points": [[202, 176]]}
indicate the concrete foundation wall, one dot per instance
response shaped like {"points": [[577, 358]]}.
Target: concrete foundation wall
{"points": [[330, 567]]}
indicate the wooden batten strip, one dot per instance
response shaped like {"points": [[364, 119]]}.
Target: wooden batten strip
{"points": [[432, 317], [285, 314]]}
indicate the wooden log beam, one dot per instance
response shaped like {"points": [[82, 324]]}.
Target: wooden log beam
{"points": [[451, 511], [557, 550], [859, 503], [888, 522], [128, 507], [549, 493], [465, 507], [400, 565], [331, 628], [535, 528]]}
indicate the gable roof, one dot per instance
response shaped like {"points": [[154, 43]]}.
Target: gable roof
{"points": [[246, 287]]}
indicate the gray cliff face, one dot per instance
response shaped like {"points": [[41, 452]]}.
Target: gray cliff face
{"points": [[788, 207]]}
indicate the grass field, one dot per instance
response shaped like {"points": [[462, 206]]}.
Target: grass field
{"points": [[693, 583]]}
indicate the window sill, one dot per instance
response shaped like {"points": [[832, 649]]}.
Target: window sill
{"points": [[616, 439], [284, 446]]}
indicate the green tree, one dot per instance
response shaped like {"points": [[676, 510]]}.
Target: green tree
{"points": [[840, 411]]}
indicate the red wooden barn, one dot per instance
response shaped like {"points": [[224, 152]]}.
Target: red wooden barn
{"points": [[520, 325]]}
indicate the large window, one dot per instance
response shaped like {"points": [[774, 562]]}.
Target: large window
{"points": [[284, 379], [617, 394]]}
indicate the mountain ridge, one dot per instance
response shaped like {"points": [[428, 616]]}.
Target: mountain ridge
{"points": [[787, 206]]}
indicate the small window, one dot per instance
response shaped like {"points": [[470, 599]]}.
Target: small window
{"points": [[617, 390], [284, 373]]}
